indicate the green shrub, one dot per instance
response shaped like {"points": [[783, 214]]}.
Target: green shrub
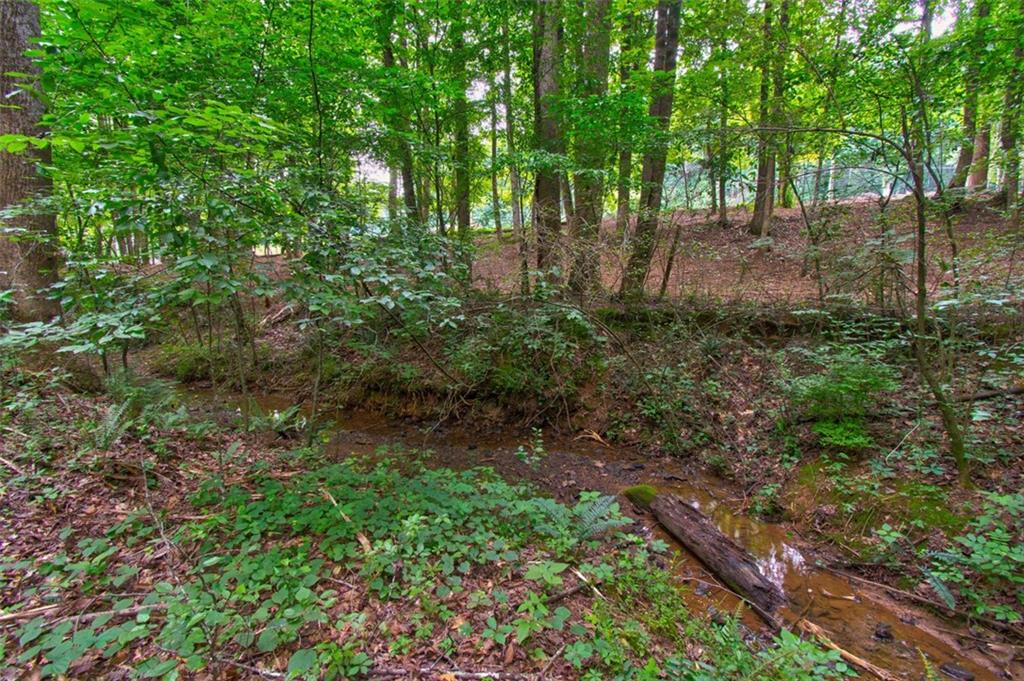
{"points": [[849, 383], [848, 435]]}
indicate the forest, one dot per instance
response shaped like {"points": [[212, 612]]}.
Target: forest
{"points": [[511, 339]]}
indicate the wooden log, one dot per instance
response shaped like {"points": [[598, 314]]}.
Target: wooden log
{"points": [[727, 560]]}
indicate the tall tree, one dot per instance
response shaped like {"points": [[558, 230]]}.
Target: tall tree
{"points": [[515, 184], [28, 255], [461, 115], [630, 58], [972, 83], [770, 109], [666, 44], [396, 117], [1013, 99], [546, 191], [492, 100], [590, 150]]}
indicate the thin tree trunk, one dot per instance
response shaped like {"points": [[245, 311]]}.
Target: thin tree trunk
{"points": [[398, 123], [760, 222], [518, 231], [723, 150], [495, 200], [1012, 101], [627, 66], [622, 191], [590, 153], [665, 46], [31, 263], [546, 192], [462, 159], [392, 193]]}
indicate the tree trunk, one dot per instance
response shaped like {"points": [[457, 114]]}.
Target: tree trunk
{"points": [[546, 192], [392, 193], [397, 122], [760, 222], [627, 65], [29, 262], [518, 233], [978, 179], [1008, 126], [972, 78], [590, 153], [461, 115], [723, 149], [495, 199], [665, 46], [773, 69]]}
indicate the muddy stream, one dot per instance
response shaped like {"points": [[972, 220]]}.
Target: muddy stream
{"points": [[861, 618]]}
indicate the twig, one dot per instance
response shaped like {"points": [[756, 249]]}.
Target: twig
{"points": [[1002, 627], [13, 467], [379, 672], [86, 617], [544, 672], [89, 616], [819, 633], [31, 612]]}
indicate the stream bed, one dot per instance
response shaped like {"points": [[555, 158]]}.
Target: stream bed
{"points": [[862, 618]]}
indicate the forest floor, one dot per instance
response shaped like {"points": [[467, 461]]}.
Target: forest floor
{"points": [[147, 535], [225, 543], [722, 262]]}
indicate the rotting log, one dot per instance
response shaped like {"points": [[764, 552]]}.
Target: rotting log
{"points": [[727, 560]]}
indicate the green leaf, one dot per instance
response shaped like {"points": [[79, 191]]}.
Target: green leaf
{"points": [[301, 661]]}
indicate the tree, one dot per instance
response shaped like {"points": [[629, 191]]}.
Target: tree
{"points": [[462, 157], [666, 43], [546, 190], [972, 83], [590, 150], [770, 108], [631, 57], [1013, 99], [28, 251]]}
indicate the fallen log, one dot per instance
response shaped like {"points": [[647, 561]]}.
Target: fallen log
{"points": [[727, 560]]}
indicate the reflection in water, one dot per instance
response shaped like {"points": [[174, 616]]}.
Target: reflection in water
{"points": [[775, 557]]}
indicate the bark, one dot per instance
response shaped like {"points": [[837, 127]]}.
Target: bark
{"points": [[771, 112], [568, 206], [28, 262], [972, 78], [590, 153], [760, 222], [622, 190], [518, 233], [546, 191], [495, 199], [392, 193], [461, 115], [1013, 94], [726, 560], [666, 44], [978, 179], [627, 66], [396, 120]]}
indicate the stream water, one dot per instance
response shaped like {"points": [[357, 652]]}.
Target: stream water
{"points": [[853, 613]]}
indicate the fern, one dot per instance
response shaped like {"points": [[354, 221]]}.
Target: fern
{"points": [[595, 515], [114, 424]]}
